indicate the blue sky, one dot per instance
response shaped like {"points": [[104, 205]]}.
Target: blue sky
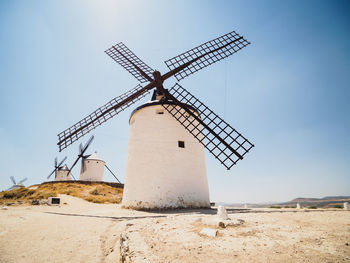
{"points": [[288, 91]]}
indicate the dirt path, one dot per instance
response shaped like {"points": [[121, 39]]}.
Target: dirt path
{"points": [[76, 232], [84, 232], [266, 236]]}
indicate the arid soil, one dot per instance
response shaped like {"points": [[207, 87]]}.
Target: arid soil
{"points": [[96, 192], [80, 231]]}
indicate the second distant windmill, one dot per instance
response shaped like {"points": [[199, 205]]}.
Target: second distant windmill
{"points": [[92, 166], [62, 173]]}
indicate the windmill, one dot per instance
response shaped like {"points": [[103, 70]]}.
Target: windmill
{"points": [[159, 174], [61, 171], [92, 168], [82, 150], [16, 185]]}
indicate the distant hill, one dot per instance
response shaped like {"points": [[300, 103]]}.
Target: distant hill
{"points": [[328, 201], [303, 199], [325, 202], [335, 197]]}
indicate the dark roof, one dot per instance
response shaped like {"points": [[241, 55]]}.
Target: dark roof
{"points": [[157, 102]]}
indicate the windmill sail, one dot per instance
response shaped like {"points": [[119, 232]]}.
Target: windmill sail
{"points": [[223, 141], [13, 180], [51, 173], [99, 116], [61, 162], [23, 180], [57, 165], [206, 54], [82, 150], [128, 60], [113, 174]]}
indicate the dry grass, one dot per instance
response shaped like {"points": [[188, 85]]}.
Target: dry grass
{"points": [[96, 193]]}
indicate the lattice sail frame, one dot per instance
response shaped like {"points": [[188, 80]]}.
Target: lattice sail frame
{"points": [[96, 118], [224, 130], [180, 66], [123, 55], [227, 44]]}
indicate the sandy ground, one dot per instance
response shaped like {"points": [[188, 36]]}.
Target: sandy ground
{"points": [[85, 232]]}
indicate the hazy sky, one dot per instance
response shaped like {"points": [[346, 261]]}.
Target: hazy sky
{"points": [[288, 92]]}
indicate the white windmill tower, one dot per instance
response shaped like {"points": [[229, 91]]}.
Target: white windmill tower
{"points": [[62, 173], [165, 159], [92, 168], [165, 164]]}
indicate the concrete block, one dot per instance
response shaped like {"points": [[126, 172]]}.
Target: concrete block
{"points": [[222, 213], [53, 201], [209, 232]]}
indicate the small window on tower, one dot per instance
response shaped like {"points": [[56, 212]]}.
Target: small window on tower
{"points": [[159, 111], [181, 144]]}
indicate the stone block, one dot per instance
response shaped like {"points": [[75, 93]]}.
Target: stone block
{"points": [[209, 232], [222, 213]]}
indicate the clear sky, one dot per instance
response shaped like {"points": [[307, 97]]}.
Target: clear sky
{"points": [[288, 92]]}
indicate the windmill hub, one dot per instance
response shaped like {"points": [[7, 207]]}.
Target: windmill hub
{"points": [[158, 82]]}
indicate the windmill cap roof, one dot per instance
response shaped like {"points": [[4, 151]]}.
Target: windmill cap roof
{"points": [[158, 102], [65, 167], [94, 156]]}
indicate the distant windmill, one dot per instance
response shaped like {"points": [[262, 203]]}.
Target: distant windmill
{"points": [[61, 172], [165, 163], [16, 185], [92, 168], [82, 150]]}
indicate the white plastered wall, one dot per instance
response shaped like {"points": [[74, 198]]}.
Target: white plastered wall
{"points": [[160, 174], [93, 170], [63, 175]]}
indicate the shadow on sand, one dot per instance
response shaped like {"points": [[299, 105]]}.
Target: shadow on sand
{"points": [[106, 217], [203, 211], [212, 211]]}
